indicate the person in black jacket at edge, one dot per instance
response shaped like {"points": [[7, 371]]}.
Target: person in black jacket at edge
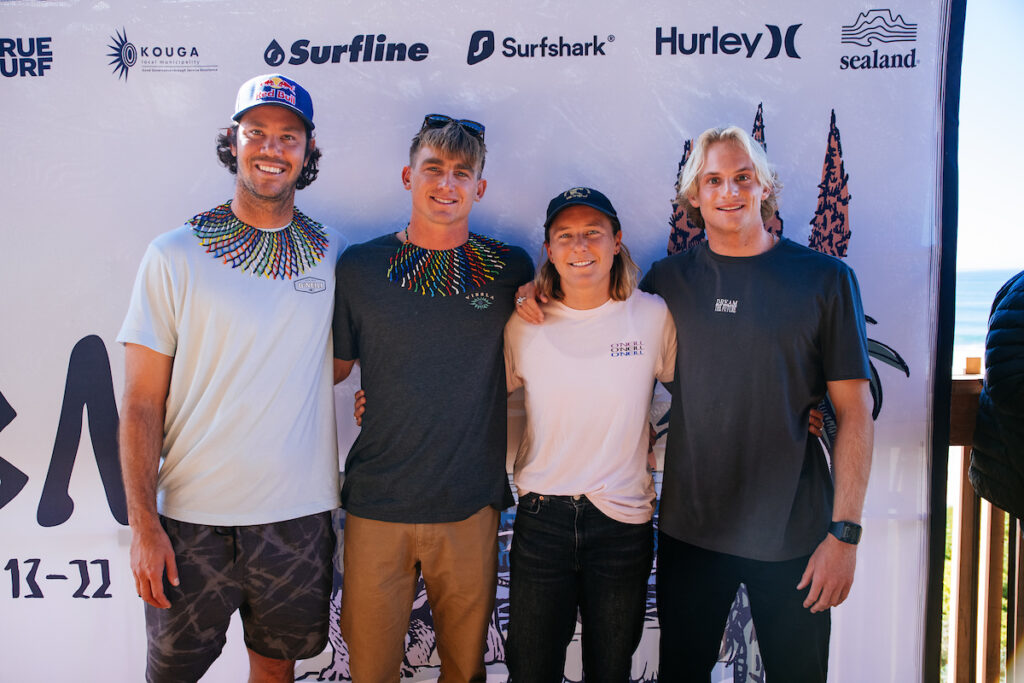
{"points": [[997, 458]]}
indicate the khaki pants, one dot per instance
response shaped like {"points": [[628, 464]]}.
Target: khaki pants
{"points": [[458, 561]]}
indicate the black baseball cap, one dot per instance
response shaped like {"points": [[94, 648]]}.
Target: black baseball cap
{"points": [[581, 195]]}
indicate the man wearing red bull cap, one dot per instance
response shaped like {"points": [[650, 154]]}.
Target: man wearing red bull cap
{"points": [[228, 439]]}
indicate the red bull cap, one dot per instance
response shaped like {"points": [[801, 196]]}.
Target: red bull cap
{"points": [[274, 89]]}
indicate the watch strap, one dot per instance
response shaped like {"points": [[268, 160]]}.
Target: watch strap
{"points": [[847, 532]]}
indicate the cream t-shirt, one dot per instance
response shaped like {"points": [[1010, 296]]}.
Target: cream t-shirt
{"points": [[588, 377]]}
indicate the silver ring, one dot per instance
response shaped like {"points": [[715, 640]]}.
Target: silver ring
{"points": [[520, 300]]}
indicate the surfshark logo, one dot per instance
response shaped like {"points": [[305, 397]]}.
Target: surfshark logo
{"points": [[481, 46]]}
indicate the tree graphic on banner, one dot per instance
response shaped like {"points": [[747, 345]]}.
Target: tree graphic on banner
{"points": [[773, 224], [683, 233], [830, 232]]}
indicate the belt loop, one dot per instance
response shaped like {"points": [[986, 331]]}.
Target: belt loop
{"points": [[233, 533]]}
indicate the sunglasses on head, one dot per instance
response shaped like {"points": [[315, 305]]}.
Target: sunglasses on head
{"points": [[440, 121]]}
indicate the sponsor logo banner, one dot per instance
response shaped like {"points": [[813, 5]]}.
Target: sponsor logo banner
{"points": [[482, 45], [881, 27], [25, 56], [367, 47], [157, 57], [676, 41]]}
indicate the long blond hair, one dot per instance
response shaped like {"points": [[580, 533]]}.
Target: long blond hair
{"points": [[690, 174]]}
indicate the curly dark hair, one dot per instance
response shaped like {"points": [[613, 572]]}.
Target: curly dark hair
{"points": [[226, 138]]}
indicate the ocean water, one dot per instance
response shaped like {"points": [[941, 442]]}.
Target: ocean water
{"points": [[975, 290]]}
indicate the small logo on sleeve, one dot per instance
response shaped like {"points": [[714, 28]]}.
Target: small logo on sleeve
{"points": [[627, 348], [310, 285], [726, 305]]}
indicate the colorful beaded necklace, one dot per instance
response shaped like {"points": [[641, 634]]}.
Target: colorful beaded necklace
{"points": [[277, 254], [447, 272]]}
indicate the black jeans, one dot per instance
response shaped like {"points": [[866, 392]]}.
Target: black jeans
{"points": [[696, 588], [568, 555]]}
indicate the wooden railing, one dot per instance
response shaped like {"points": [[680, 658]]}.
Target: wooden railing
{"points": [[979, 550]]}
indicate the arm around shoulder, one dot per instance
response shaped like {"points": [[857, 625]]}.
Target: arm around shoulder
{"points": [[342, 369]]}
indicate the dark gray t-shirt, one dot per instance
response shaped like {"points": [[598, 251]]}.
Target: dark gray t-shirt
{"points": [[427, 329], [759, 337]]}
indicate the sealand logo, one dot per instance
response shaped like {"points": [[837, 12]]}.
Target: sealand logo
{"points": [[25, 56], [482, 45], [675, 42], [480, 300], [310, 285], [882, 27], [879, 25], [160, 57]]}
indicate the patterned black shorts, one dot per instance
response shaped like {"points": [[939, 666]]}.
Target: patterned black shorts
{"points": [[278, 576]]}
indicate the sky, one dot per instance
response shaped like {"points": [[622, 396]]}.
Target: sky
{"points": [[990, 235]]}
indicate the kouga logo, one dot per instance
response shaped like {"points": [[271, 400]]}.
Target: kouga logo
{"points": [[482, 46], [879, 26], [675, 42], [161, 57], [480, 300], [25, 56], [362, 48], [310, 285]]}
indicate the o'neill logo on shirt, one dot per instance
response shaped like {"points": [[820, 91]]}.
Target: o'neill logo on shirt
{"points": [[480, 301], [310, 285], [628, 348], [726, 305]]}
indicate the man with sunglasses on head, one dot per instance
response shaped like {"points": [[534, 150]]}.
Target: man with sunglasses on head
{"points": [[423, 310], [228, 439]]}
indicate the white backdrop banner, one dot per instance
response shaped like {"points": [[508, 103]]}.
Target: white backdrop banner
{"points": [[110, 111]]}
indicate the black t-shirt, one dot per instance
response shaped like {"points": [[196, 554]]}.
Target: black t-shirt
{"points": [[427, 329], [759, 337]]}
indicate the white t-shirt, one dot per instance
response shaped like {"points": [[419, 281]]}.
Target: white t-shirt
{"points": [[588, 376], [249, 433]]}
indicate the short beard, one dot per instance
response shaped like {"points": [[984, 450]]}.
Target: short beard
{"points": [[285, 196]]}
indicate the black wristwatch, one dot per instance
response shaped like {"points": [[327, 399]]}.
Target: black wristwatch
{"points": [[847, 532]]}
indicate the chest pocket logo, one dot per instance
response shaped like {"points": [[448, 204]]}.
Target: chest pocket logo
{"points": [[310, 285], [480, 300]]}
